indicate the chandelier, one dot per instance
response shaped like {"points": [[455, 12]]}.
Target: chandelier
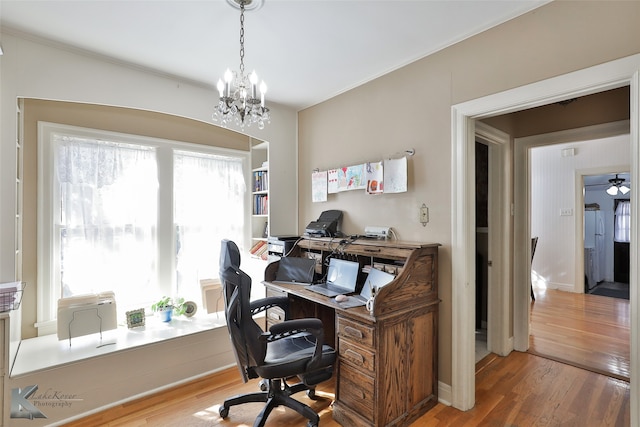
{"points": [[617, 186], [239, 101]]}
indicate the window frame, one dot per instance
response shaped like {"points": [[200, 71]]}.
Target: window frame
{"points": [[47, 290]]}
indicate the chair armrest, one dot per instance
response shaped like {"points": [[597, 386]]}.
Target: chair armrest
{"points": [[262, 304], [292, 327]]}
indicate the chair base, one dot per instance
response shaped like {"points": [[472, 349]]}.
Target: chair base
{"points": [[278, 393]]}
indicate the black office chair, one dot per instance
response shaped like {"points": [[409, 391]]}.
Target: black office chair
{"points": [[291, 348]]}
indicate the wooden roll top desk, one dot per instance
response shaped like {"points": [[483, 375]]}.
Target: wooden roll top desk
{"points": [[387, 371]]}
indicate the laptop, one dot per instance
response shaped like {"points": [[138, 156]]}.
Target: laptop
{"points": [[376, 279], [341, 278], [296, 270]]}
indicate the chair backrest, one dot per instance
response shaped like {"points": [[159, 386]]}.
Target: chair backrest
{"points": [[244, 332]]}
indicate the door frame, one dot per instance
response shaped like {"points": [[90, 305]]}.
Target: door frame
{"points": [[499, 237], [610, 75]]}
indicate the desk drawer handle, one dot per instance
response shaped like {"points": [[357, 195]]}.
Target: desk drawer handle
{"points": [[355, 357], [353, 332], [372, 250]]}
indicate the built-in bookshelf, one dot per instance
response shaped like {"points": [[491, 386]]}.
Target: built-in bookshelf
{"points": [[259, 198]]}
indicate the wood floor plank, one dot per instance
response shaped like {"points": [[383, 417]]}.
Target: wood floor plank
{"points": [[521, 389]]}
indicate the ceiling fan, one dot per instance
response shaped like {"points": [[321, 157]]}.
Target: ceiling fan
{"points": [[617, 186]]}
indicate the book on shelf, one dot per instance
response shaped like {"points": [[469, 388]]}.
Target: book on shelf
{"points": [[260, 181], [262, 249], [257, 246], [260, 204]]}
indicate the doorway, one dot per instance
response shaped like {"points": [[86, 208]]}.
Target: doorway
{"points": [[483, 261], [566, 205], [606, 261], [588, 81]]}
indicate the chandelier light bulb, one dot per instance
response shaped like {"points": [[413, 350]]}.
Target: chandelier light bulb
{"points": [[220, 88], [624, 189], [263, 90], [612, 191], [253, 79], [240, 104]]}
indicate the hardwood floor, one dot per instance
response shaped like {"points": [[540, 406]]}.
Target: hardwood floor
{"points": [[588, 331], [521, 389], [518, 390]]}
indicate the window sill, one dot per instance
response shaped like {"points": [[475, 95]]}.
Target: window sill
{"points": [[36, 354]]}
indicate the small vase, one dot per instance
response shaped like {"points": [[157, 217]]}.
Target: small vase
{"points": [[166, 314]]}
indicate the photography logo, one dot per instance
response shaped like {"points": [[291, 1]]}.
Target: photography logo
{"points": [[21, 407], [26, 403]]}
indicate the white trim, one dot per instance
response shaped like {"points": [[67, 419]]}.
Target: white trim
{"points": [[463, 261], [499, 239], [444, 393], [634, 297], [595, 79]]}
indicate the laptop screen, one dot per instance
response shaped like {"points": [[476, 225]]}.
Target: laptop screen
{"points": [[296, 270], [343, 273], [376, 279]]}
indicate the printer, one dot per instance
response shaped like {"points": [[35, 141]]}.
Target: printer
{"points": [[327, 225]]}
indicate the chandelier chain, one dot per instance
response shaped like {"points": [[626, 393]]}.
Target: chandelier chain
{"points": [[242, 37]]}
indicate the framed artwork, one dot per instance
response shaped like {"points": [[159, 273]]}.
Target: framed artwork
{"points": [[135, 318]]}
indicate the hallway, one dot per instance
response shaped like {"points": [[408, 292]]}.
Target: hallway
{"points": [[587, 331]]}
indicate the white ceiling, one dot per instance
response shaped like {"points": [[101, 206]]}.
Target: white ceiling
{"points": [[307, 51]]}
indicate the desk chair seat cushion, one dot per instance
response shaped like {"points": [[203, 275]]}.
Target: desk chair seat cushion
{"points": [[290, 356]]}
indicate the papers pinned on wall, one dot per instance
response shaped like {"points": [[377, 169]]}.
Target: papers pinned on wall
{"points": [[375, 178], [395, 175], [386, 176], [319, 185]]}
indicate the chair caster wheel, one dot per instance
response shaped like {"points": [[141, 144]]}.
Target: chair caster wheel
{"points": [[264, 385], [312, 424], [311, 394], [223, 411]]}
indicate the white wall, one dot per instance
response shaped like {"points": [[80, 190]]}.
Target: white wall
{"points": [[554, 183]]}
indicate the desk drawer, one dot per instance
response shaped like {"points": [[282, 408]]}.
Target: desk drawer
{"points": [[356, 391], [359, 357], [355, 331], [275, 315]]}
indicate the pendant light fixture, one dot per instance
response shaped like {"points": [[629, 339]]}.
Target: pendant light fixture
{"points": [[241, 98]]}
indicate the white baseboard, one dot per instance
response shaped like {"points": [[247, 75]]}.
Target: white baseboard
{"points": [[565, 287], [444, 393]]}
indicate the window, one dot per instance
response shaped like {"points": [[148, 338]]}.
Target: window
{"points": [[622, 230], [138, 216]]}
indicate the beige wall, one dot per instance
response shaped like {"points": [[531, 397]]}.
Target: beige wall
{"points": [[114, 119], [411, 107]]}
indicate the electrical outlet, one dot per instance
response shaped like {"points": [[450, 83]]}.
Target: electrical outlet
{"points": [[424, 215]]}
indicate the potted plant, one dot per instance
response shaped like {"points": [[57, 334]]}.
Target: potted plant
{"points": [[166, 307]]}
